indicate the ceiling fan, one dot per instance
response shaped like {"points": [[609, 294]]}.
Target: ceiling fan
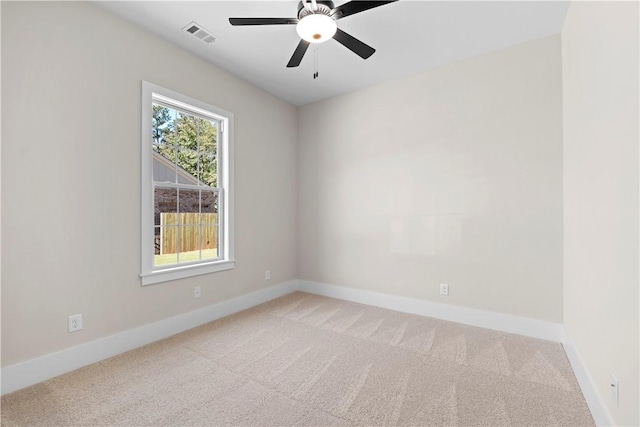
{"points": [[316, 23]]}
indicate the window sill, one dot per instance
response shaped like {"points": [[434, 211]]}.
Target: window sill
{"points": [[183, 272]]}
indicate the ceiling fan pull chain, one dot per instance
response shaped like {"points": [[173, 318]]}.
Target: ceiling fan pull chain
{"points": [[315, 62]]}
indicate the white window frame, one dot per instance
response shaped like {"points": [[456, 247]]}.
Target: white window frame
{"points": [[151, 274]]}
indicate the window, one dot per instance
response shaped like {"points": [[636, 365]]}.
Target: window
{"points": [[187, 193]]}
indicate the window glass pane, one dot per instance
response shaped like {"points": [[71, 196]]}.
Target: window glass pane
{"points": [[207, 136], [189, 201], [189, 218], [187, 166], [189, 243], [156, 240], [209, 242], [186, 132], [165, 205], [163, 125], [208, 152], [209, 207], [165, 243], [164, 163], [208, 169]]}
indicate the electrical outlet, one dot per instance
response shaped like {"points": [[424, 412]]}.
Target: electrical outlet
{"points": [[444, 289], [615, 392], [75, 322], [267, 275], [197, 292]]}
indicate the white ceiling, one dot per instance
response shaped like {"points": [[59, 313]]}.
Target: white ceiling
{"points": [[409, 36]]}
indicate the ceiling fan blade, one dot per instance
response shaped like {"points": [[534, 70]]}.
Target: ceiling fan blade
{"points": [[358, 6], [356, 46], [296, 58], [262, 21]]}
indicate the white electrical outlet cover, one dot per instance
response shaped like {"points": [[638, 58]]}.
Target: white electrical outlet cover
{"points": [[75, 322]]}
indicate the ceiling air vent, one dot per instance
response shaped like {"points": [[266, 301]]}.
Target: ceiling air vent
{"points": [[197, 31]]}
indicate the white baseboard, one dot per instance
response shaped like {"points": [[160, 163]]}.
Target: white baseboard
{"points": [[40, 369], [596, 404], [485, 319]]}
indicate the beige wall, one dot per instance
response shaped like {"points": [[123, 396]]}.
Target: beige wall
{"points": [[600, 81], [71, 76], [453, 175]]}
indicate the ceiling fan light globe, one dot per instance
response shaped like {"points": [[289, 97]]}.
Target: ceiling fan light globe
{"points": [[316, 28]]}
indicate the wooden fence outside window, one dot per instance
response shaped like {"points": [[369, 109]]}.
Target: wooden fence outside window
{"points": [[191, 228]]}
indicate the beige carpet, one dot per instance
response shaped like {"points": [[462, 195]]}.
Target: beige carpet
{"points": [[310, 360]]}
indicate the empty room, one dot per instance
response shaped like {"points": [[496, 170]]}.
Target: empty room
{"points": [[316, 212]]}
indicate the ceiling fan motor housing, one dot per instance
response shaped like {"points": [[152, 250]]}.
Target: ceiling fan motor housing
{"points": [[324, 8]]}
